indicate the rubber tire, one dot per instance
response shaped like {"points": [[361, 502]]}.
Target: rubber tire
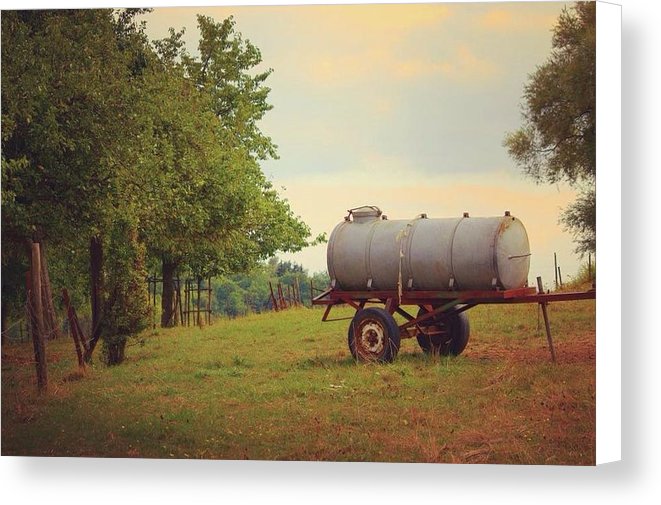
{"points": [[391, 335], [458, 329]]}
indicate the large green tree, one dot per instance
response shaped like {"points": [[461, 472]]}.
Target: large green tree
{"points": [[558, 137], [229, 217], [71, 124]]}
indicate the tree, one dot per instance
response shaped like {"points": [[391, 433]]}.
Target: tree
{"points": [[557, 140], [218, 212], [224, 70], [125, 297], [64, 117], [229, 298], [72, 125]]}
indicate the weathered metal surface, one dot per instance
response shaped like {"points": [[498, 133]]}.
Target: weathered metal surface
{"points": [[520, 295], [368, 252]]}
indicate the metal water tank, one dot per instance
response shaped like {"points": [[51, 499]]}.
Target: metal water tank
{"points": [[367, 251]]}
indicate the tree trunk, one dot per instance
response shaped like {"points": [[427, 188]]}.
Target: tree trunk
{"points": [[50, 315], [96, 291], [4, 322], [116, 352], [167, 299]]}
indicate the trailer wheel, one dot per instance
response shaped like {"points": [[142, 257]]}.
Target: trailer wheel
{"points": [[450, 335], [374, 336]]}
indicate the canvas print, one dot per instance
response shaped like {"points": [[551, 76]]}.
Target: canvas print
{"points": [[300, 233]]}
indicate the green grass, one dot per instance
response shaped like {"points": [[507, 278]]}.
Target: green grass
{"points": [[283, 386]]}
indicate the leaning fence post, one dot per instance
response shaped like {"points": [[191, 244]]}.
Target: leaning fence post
{"points": [[273, 300], [73, 329]]}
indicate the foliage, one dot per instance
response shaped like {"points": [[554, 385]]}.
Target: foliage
{"points": [[67, 117], [230, 298], [70, 126], [239, 98], [557, 140], [242, 293], [584, 279], [126, 303], [581, 217], [285, 267]]}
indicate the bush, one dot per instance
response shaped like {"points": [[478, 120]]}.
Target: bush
{"points": [[584, 279]]}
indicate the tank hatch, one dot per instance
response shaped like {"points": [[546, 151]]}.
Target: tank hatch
{"points": [[364, 213]]}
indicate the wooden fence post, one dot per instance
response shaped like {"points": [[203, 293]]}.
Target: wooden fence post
{"points": [[188, 301], [281, 297], [73, 329], [38, 318], [51, 324], [199, 287], [209, 301], [273, 300], [181, 307]]}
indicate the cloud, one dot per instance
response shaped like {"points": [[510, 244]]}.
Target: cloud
{"points": [[382, 22], [358, 43], [465, 65], [339, 46], [516, 18], [375, 64]]}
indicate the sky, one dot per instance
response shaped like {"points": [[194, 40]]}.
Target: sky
{"points": [[402, 106]]}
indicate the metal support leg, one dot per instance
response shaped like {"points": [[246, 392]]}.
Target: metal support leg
{"points": [[549, 338]]}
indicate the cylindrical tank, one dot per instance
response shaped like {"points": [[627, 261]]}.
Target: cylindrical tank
{"points": [[367, 251]]}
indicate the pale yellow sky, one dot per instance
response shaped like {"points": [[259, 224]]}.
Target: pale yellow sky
{"points": [[400, 106]]}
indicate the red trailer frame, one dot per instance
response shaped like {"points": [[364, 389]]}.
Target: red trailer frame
{"points": [[440, 325]]}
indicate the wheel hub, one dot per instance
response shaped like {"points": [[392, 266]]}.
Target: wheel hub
{"points": [[372, 337]]}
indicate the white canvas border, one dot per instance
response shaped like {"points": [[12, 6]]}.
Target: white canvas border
{"points": [[609, 241], [544, 485]]}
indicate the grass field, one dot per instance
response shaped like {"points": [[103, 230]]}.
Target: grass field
{"points": [[283, 386]]}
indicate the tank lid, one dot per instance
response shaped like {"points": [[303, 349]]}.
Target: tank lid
{"points": [[366, 212]]}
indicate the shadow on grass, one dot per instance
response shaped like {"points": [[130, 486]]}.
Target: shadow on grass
{"points": [[417, 358], [324, 362]]}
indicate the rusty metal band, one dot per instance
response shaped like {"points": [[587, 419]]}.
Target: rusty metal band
{"points": [[454, 232], [368, 252]]}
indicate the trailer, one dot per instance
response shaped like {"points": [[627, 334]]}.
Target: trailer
{"points": [[442, 266], [440, 325]]}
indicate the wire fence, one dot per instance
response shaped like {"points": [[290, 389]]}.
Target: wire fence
{"points": [[19, 331]]}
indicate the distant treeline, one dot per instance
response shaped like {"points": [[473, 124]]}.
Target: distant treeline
{"points": [[245, 293]]}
